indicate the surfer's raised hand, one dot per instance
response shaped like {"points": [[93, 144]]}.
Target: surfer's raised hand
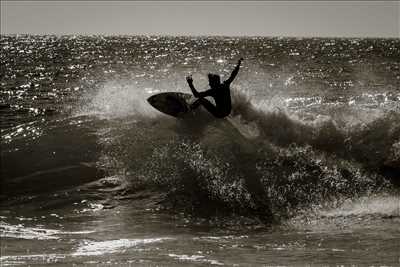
{"points": [[234, 72], [189, 79]]}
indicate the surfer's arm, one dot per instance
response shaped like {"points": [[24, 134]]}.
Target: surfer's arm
{"points": [[189, 80], [234, 72], [196, 94]]}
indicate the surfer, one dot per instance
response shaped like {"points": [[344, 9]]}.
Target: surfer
{"points": [[219, 91]]}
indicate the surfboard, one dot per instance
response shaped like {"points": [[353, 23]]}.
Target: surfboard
{"points": [[175, 104]]}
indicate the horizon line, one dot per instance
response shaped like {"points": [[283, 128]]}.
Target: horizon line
{"points": [[195, 35]]}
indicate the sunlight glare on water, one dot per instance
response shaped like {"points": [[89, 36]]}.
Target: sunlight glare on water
{"points": [[303, 172]]}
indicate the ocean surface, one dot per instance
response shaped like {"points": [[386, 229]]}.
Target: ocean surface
{"points": [[305, 171]]}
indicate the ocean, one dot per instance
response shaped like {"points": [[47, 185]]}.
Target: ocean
{"points": [[304, 172]]}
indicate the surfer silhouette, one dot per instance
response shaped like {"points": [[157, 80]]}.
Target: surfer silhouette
{"points": [[219, 91]]}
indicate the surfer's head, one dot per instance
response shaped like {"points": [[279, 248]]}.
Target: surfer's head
{"points": [[214, 80]]}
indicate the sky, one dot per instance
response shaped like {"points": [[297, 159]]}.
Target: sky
{"points": [[228, 18]]}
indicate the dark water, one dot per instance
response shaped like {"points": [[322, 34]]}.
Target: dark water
{"points": [[305, 171]]}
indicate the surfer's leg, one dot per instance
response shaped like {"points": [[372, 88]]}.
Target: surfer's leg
{"points": [[195, 104], [207, 105]]}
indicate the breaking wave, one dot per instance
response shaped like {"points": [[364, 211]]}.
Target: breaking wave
{"points": [[264, 161]]}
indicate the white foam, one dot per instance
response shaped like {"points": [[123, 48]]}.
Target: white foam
{"points": [[118, 99], [13, 260], [90, 248], [23, 232], [195, 258], [219, 238], [384, 205]]}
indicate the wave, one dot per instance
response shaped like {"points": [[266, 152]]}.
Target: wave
{"points": [[374, 144], [262, 162]]}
